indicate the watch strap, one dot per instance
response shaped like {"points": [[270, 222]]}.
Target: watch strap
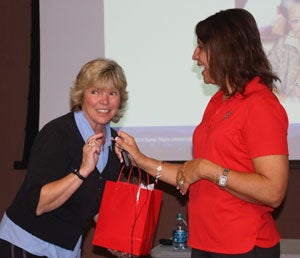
{"points": [[76, 172]]}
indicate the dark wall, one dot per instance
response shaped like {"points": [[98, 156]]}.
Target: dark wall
{"points": [[15, 23], [14, 67]]}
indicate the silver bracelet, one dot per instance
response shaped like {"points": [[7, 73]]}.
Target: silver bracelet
{"points": [[158, 169]]}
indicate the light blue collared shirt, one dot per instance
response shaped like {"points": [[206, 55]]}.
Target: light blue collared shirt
{"points": [[14, 234]]}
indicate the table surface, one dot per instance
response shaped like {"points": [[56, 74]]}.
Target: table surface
{"points": [[167, 251], [290, 248]]}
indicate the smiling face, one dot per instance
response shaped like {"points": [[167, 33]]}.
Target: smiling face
{"points": [[100, 104], [100, 91], [202, 57]]}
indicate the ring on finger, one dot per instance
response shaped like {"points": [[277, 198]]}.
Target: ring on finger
{"points": [[181, 182], [91, 143]]}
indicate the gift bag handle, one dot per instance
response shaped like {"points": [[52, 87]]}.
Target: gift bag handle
{"points": [[130, 175]]}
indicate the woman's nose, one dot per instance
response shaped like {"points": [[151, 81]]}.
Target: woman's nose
{"points": [[104, 98], [195, 54]]}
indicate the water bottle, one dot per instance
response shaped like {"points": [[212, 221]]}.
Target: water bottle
{"points": [[180, 234]]}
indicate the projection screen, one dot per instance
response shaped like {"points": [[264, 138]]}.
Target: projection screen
{"points": [[153, 41]]}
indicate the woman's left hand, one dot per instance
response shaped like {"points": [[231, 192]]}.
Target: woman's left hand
{"points": [[189, 173]]}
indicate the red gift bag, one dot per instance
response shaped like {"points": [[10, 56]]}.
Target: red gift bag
{"points": [[128, 217]]}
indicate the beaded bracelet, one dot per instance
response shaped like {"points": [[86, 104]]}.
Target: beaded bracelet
{"points": [[158, 169]]}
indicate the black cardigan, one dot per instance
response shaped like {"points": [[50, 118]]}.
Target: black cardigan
{"points": [[56, 152]]}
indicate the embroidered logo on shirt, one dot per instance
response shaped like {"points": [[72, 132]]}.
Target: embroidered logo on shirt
{"points": [[228, 114]]}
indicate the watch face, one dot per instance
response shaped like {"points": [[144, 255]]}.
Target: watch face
{"points": [[222, 180]]}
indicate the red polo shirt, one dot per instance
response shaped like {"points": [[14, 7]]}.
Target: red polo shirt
{"points": [[231, 134]]}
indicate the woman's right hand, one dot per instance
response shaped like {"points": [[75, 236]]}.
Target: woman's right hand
{"points": [[91, 151], [126, 142], [163, 170]]}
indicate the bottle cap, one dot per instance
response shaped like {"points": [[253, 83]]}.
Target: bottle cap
{"points": [[179, 215]]}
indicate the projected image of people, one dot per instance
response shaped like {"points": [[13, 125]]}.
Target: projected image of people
{"points": [[285, 53], [239, 171]]}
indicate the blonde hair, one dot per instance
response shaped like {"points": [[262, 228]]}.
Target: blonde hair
{"points": [[106, 71]]}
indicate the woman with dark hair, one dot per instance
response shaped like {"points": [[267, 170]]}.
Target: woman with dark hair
{"points": [[239, 173], [71, 159]]}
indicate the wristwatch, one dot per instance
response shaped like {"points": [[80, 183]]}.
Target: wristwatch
{"points": [[223, 178], [76, 172]]}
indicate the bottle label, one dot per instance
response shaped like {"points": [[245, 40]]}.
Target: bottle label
{"points": [[180, 236]]}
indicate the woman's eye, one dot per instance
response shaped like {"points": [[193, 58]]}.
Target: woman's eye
{"points": [[200, 46], [113, 93], [95, 92], [110, 93]]}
